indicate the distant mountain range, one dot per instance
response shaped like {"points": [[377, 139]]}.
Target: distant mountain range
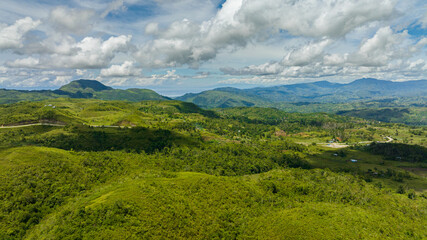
{"points": [[321, 92]]}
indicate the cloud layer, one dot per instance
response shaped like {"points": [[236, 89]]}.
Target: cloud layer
{"points": [[76, 21], [317, 39], [89, 53], [241, 22], [385, 52]]}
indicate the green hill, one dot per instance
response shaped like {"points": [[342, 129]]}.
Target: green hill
{"points": [[88, 168], [116, 195], [13, 96], [132, 94], [84, 86], [364, 98], [90, 89], [399, 102], [222, 98], [411, 115]]}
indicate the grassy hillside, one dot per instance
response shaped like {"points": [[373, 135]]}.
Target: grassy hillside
{"points": [[94, 112], [133, 95], [89, 89], [412, 116], [223, 98], [84, 86], [118, 194], [377, 103], [271, 205], [12, 96], [171, 170]]}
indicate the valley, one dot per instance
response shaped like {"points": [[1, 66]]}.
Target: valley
{"points": [[74, 168]]}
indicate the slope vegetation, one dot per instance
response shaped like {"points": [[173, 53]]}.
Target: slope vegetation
{"points": [[171, 170]]}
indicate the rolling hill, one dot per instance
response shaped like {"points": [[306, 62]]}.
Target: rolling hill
{"points": [[404, 102], [81, 89], [84, 86]]}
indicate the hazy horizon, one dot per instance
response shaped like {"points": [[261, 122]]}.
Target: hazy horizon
{"points": [[171, 92]]}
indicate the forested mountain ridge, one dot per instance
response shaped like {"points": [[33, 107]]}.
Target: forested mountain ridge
{"points": [[81, 89], [323, 91], [401, 102], [84, 86]]}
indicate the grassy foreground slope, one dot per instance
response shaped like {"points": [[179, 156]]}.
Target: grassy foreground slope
{"points": [[116, 195], [289, 204]]}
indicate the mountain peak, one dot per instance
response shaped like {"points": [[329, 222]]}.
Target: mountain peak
{"points": [[368, 81], [84, 86], [227, 89], [325, 84]]}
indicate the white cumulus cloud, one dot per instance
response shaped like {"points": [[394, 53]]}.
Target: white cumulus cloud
{"points": [[380, 49], [3, 69], [241, 22], [28, 62], [170, 77], [423, 20], [61, 80], [89, 53], [114, 6], [12, 36], [77, 21], [385, 52], [126, 69]]}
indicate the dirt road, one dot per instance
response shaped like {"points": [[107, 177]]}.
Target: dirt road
{"points": [[33, 124]]}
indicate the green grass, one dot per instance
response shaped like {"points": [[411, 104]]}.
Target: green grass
{"points": [[289, 204], [177, 171], [367, 164], [69, 195]]}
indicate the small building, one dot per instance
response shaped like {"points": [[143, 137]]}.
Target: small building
{"points": [[353, 160]]}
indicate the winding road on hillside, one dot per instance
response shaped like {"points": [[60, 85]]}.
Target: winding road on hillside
{"points": [[330, 145], [343, 145], [33, 124], [53, 125]]}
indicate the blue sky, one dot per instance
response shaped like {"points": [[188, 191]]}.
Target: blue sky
{"points": [[180, 46]]}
